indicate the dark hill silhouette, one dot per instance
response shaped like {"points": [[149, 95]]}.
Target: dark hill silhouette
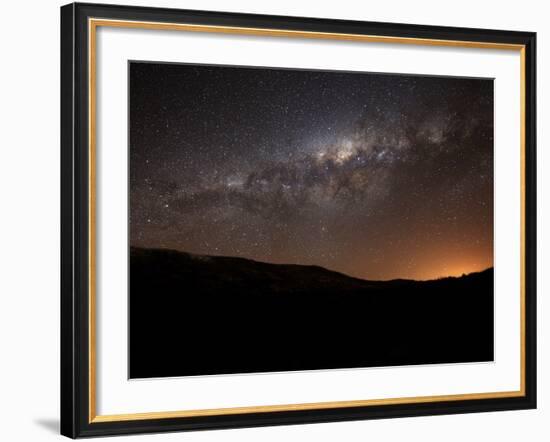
{"points": [[196, 314]]}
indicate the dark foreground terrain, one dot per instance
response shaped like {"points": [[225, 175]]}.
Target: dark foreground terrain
{"points": [[192, 315]]}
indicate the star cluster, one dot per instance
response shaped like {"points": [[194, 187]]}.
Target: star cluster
{"points": [[378, 176]]}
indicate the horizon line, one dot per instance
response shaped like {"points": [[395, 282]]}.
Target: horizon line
{"points": [[437, 278]]}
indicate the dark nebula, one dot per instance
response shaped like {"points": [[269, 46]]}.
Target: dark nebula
{"points": [[374, 175]]}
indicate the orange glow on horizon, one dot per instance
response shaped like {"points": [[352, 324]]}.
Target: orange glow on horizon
{"points": [[436, 264]]}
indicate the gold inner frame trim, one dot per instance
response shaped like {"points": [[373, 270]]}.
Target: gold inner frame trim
{"points": [[93, 24]]}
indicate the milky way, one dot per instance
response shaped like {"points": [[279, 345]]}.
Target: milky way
{"points": [[374, 175]]}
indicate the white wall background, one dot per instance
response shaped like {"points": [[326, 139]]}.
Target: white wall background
{"points": [[29, 221]]}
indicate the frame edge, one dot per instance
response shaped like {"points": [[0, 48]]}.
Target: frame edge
{"points": [[530, 171], [68, 402]]}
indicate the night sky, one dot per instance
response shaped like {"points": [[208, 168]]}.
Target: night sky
{"points": [[377, 176]]}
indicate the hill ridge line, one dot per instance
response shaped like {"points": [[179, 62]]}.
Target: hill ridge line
{"points": [[310, 266]]}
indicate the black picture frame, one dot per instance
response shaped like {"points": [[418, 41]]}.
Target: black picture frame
{"points": [[77, 417]]}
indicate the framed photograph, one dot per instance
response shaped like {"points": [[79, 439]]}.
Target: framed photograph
{"points": [[278, 220]]}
